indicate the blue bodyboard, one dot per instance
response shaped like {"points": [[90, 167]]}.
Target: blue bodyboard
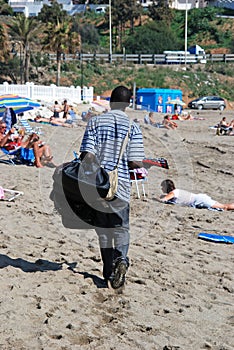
{"points": [[216, 238]]}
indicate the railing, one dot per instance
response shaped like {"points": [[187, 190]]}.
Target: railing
{"points": [[49, 93], [146, 58]]}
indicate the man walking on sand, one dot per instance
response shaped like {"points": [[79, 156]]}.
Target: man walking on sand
{"points": [[103, 138]]}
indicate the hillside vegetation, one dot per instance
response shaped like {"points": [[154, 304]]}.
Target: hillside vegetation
{"points": [[196, 80], [26, 43]]}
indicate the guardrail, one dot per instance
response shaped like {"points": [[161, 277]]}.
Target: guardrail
{"points": [[146, 58]]}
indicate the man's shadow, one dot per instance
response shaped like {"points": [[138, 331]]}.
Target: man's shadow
{"points": [[99, 282], [27, 266], [45, 265]]}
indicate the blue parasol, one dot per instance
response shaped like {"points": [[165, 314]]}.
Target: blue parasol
{"points": [[17, 103]]}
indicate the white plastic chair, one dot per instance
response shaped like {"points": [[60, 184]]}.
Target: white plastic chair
{"points": [[138, 181]]}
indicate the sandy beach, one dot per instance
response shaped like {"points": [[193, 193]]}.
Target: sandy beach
{"points": [[179, 293]]}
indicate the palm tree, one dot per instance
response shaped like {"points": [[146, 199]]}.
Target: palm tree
{"points": [[5, 9], [24, 32], [4, 40], [61, 39]]}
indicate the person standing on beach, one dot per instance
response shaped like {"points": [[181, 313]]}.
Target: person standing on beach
{"points": [[65, 109], [102, 139], [56, 109]]}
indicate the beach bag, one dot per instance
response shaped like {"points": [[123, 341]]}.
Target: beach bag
{"points": [[113, 179], [77, 211], [85, 181], [74, 212]]}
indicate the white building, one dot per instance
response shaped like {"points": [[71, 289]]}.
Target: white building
{"points": [[33, 7]]}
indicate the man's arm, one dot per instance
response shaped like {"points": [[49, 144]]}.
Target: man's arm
{"points": [[135, 164]]}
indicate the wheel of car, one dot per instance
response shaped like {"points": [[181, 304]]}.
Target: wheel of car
{"points": [[200, 107], [221, 108]]}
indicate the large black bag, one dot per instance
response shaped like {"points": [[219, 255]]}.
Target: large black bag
{"points": [[77, 187], [85, 182]]}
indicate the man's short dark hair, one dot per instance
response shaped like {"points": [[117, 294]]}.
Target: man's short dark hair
{"points": [[120, 97]]}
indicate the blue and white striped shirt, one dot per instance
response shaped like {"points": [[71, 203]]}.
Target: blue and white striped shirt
{"points": [[104, 136]]}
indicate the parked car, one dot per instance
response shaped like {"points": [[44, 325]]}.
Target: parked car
{"points": [[208, 102]]}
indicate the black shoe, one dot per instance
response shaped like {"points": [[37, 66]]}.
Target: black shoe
{"points": [[118, 276]]}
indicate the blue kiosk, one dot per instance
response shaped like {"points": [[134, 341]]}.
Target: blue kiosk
{"points": [[158, 100]]}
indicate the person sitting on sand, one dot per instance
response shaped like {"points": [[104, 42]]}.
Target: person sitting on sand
{"points": [[41, 150], [173, 195], [151, 119], [169, 124], [224, 127]]}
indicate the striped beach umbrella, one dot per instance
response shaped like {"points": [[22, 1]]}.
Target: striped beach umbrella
{"points": [[17, 103]]}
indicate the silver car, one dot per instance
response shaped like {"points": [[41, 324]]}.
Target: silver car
{"points": [[208, 102]]}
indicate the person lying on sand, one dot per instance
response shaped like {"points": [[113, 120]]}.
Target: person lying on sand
{"points": [[174, 195], [53, 121]]}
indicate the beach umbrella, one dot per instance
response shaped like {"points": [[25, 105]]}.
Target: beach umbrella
{"points": [[17, 103], [176, 102]]}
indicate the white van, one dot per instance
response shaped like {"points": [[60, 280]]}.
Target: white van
{"points": [[195, 54]]}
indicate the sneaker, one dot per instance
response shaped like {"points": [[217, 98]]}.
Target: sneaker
{"points": [[118, 277]]}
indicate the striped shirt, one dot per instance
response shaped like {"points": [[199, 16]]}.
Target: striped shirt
{"points": [[104, 136]]}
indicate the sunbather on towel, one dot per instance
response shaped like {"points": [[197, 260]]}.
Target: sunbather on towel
{"points": [[53, 121], [174, 195]]}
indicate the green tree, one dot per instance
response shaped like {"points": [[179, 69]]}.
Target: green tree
{"points": [[5, 9], [52, 13], [24, 31], [61, 39], [123, 13], [4, 43], [160, 11], [152, 38], [88, 32], [201, 20]]}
